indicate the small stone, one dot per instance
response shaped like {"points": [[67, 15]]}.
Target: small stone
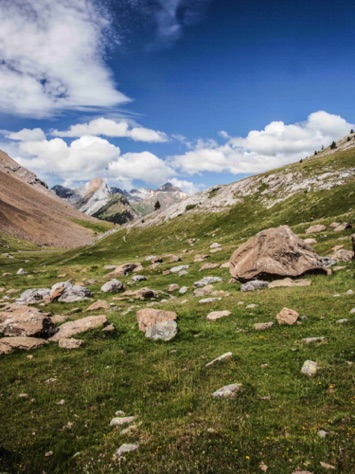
{"points": [[349, 292], [310, 241], [209, 300], [61, 402], [301, 472], [48, 454], [21, 271], [251, 306], [217, 315], [309, 368], [228, 391], [352, 311], [112, 286], [109, 328], [322, 433], [206, 281], [215, 245], [182, 273], [225, 356], [23, 395], [327, 466], [254, 285], [138, 278], [311, 340], [120, 413], [209, 266], [287, 316], [70, 343], [119, 421], [99, 304], [126, 448], [183, 290], [173, 287], [263, 326], [179, 268], [316, 228]]}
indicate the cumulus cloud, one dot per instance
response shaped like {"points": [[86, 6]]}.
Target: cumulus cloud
{"points": [[26, 135], [187, 187], [113, 128], [51, 57], [261, 150]]}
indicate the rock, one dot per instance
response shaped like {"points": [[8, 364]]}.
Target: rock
{"points": [[148, 317], [201, 258], [342, 255], [349, 292], [112, 286], [310, 241], [156, 260], [20, 320], [70, 293], [56, 293], [109, 328], [301, 472], [217, 315], [8, 344], [162, 331], [59, 318], [173, 287], [287, 316], [311, 340], [216, 250], [216, 245], [179, 268], [126, 448], [338, 268], [33, 296], [122, 270], [209, 300], [225, 356], [174, 259], [110, 267], [138, 278], [183, 290], [316, 228], [333, 225], [254, 285], [327, 466], [228, 391], [99, 304], [225, 265], [70, 343], [71, 328], [309, 368], [341, 227], [209, 266], [251, 306], [206, 281], [342, 321], [142, 294], [322, 433], [352, 311], [21, 271], [274, 252], [263, 326], [206, 290], [122, 420], [288, 282], [183, 273]]}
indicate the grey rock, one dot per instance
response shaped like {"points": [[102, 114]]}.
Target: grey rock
{"points": [[218, 315], [183, 273], [254, 285], [352, 311], [328, 262], [207, 281], [21, 271], [251, 306], [342, 321], [69, 293], [309, 368], [138, 278], [70, 343], [228, 391], [126, 448], [209, 300], [322, 433], [179, 268], [112, 286], [183, 290], [312, 340], [162, 331], [34, 295], [225, 356], [263, 326], [122, 420]]}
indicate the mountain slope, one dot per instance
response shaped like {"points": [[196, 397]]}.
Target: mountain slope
{"points": [[29, 211]]}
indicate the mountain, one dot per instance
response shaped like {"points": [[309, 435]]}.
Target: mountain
{"points": [[96, 198], [29, 211]]}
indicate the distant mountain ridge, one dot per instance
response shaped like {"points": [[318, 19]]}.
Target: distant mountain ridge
{"points": [[96, 198]]}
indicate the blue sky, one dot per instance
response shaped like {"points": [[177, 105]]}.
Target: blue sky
{"points": [[198, 92]]}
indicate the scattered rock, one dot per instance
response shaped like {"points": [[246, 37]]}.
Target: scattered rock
{"points": [[70, 343], [71, 328], [225, 356], [142, 294], [254, 285], [8, 344], [310, 241], [201, 258], [148, 317], [216, 245], [110, 267], [349, 292], [20, 320], [327, 466], [225, 265], [122, 420], [309, 368], [179, 268], [209, 266], [70, 293], [126, 448], [302, 472], [99, 304], [59, 318], [342, 321], [274, 252], [33, 296], [228, 391], [263, 326], [209, 300], [162, 331], [341, 227], [218, 315], [312, 340], [352, 311], [173, 287], [251, 306], [174, 259], [288, 282], [316, 228], [206, 290], [183, 273], [112, 286], [138, 278], [109, 328], [206, 281], [183, 290], [21, 271], [342, 255], [322, 433], [287, 316], [122, 270]]}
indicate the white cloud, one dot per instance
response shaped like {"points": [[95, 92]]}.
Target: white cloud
{"points": [[112, 128], [27, 135], [51, 57], [276, 145], [186, 186]]}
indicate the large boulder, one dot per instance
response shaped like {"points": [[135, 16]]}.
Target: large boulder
{"points": [[148, 317], [67, 292], [21, 320], [71, 328], [163, 331], [34, 295], [8, 344], [274, 252]]}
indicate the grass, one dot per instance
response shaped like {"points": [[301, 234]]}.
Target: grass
{"points": [[180, 427]]}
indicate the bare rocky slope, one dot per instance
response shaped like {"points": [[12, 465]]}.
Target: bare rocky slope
{"points": [[29, 211]]}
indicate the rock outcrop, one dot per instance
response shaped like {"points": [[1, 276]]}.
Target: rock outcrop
{"points": [[275, 252], [25, 321]]}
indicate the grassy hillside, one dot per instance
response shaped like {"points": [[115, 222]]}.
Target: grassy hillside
{"points": [[180, 428]]}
